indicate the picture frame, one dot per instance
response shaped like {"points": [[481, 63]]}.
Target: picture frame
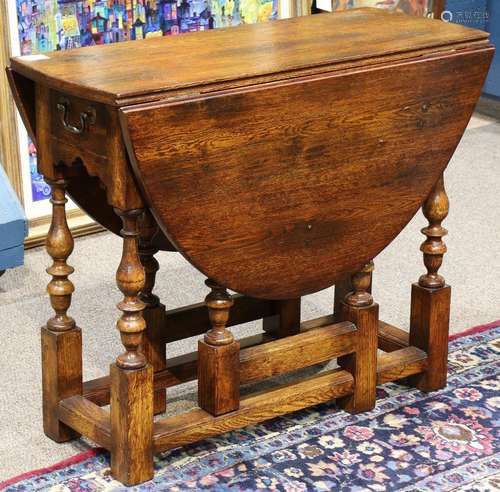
{"points": [[14, 142]]}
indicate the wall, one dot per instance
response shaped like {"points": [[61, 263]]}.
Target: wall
{"points": [[484, 15], [492, 86]]}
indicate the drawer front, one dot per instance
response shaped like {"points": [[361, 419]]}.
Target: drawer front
{"points": [[79, 123]]}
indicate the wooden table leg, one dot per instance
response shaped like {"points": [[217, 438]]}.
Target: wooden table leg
{"points": [[131, 375], [430, 298], [359, 308], [61, 338], [153, 345], [342, 288], [287, 320], [218, 357]]}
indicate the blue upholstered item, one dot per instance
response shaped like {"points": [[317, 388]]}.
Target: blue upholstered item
{"points": [[13, 226], [484, 15]]}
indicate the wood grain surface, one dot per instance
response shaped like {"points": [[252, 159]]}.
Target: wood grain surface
{"points": [[304, 181], [131, 424], [400, 364], [198, 424], [86, 417], [275, 50], [278, 158]]}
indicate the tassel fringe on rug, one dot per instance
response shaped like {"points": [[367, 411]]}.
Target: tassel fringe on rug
{"points": [[441, 441]]}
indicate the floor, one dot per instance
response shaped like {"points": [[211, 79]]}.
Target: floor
{"points": [[471, 267]]}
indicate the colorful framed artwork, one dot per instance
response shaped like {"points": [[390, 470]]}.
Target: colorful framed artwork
{"points": [[47, 25]]}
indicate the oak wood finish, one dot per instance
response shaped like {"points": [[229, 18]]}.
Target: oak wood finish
{"points": [[338, 338], [130, 279], [429, 328], [359, 308], [321, 339], [218, 377], [153, 346], [132, 424], [391, 338], [23, 93], [295, 158], [131, 376], [59, 246], [148, 228], [80, 74], [264, 215], [61, 378], [431, 297], [154, 349], [287, 320], [178, 430], [435, 209], [297, 351], [61, 338], [79, 413], [265, 52], [198, 424], [193, 320], [179, 370], [400, 364], [218, 357], [342, 288]]}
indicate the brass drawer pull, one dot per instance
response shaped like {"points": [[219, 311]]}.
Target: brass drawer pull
{"points": [[87, 117]]}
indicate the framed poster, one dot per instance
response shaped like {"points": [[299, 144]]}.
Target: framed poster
{"points": [[37, 26]]}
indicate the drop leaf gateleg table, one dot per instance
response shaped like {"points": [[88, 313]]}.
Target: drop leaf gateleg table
{"points": [[279, 159]]}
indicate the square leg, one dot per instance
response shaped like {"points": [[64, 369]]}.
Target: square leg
{"points": [[61, 378], [132, 424], [286, 322], [362, 364], [218, 377], [154, 349], [429, 328]]}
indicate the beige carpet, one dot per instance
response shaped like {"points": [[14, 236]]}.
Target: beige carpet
{"points": [[471, 267]]}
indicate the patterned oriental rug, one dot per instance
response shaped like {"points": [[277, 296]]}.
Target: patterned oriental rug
{"points": [[447, 440]]}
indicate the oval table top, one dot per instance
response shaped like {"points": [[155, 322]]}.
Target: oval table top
{"points": [[280, 190], [277, 157]]}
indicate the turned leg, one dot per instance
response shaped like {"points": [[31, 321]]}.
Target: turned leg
{"points": [[131, 375], [359, 308], [218, 357], [342, 288], [430, 297], [153, 346], [61, 338], [287, 320]]}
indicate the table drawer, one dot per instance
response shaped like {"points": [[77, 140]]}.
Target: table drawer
{"points": [[79, 123]]}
